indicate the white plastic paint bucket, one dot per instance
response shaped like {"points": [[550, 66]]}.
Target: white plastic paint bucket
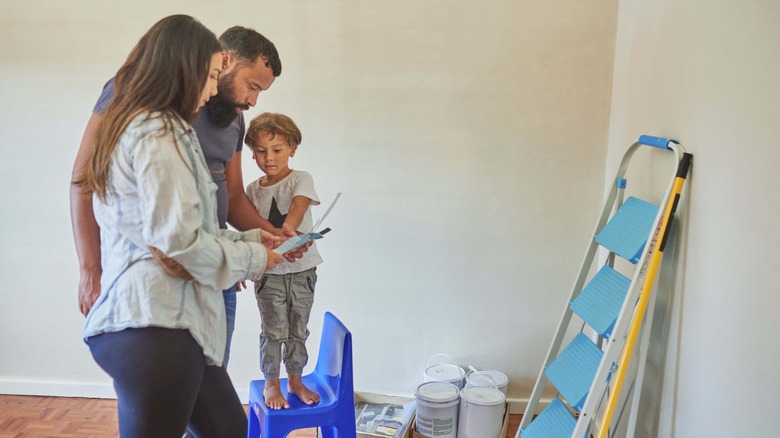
{"points": [[481, 412], [437, 409], [475, 378], [444, 371]]}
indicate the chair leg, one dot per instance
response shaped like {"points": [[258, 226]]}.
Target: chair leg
{"points": [[254, 424], [343, 430], [329, 432], [347, 429]]}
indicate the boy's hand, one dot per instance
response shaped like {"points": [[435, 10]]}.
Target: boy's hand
{"points": [[296, 253]]}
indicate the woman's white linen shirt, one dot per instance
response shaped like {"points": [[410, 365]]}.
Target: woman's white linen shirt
{"points": [[160, 194]]}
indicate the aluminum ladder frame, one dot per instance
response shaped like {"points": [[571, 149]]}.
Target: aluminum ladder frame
{"points": [[588, 414]]}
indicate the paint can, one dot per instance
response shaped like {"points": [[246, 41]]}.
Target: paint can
{"points": [[497, 378], [447, 370], [481, 412], [437, 409]]}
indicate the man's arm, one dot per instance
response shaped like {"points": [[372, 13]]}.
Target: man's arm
{"points": [[86, 231], [241, 213]]}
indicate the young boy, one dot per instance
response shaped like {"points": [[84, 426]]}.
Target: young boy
{"points": [[285, 294]]}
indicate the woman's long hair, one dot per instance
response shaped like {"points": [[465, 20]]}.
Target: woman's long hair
{"points": [[165, 72]]}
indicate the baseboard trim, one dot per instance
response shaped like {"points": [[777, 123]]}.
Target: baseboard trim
{"points": [[47, 388], [518, 405], [106, 390]]}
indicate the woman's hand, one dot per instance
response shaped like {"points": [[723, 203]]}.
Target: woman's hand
{"points": [[272, 259], [296, 253]]}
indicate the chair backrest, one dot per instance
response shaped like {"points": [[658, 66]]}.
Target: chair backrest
{"points": [[335, 355]]}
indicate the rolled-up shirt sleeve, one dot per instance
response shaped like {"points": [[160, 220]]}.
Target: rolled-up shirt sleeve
{"points": [[172, 217]]}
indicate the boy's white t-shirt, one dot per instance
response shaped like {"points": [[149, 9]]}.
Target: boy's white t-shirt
{"points": [[273, 203]]}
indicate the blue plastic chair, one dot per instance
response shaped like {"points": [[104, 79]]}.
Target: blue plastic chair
{"points": [[331, 379]]}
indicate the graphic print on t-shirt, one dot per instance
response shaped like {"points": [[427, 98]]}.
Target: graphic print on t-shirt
{"points": [[275, 216]]}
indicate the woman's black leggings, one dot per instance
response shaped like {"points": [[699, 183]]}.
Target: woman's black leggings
{"points": [[163, 385]]}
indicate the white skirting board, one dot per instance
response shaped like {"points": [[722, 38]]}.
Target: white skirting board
{"points": [[56, 389], [94, 390]]}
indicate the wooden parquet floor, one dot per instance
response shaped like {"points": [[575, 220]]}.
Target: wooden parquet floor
{"points": [[66, 417], [27, 417]]}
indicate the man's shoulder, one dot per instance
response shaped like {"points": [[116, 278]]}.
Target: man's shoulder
{"points": [[213, 136]]}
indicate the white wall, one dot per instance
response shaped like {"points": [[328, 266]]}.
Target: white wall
{"points": [[706, 73], [468, 138]]}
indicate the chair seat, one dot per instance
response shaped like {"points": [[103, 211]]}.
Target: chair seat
{"points": [[321, 385]]}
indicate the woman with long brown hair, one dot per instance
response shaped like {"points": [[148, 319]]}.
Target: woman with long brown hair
{"points": [[158, 326]]}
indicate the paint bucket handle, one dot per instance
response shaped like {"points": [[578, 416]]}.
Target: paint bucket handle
{"points": [[448, 360], [481, 379]]}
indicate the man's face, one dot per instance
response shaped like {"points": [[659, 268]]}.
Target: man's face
{"points": [[239, 89]]}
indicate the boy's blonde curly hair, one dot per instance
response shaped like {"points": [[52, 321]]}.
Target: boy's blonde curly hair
{"points": [[275, 124]]}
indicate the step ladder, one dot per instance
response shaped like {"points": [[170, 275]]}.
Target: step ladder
{"points": [[603, 299]]}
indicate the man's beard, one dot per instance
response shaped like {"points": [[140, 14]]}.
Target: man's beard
{"points": [[221, 108]]}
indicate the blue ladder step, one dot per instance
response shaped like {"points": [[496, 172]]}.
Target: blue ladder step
{"points": [[626, 232], [573, 371], [555, 421], [600, 301]]}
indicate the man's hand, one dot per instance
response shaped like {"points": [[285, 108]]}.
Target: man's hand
{"points": [[89, 289], [271, 240]]}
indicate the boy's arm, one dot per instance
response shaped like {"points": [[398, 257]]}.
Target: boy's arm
{"points": [[86, 231], [241, 213], [298, 208]]}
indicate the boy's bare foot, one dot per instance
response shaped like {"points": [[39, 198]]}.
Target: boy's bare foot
{"points": [[296, 386], [272, 393]]}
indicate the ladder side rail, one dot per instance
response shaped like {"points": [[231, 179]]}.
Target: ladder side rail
{"points": [[652, 272], [635, 388], [671, 247], [614, 344], [555, 346], [619, 333], [644, 344], [579, 283], [630, 393]]}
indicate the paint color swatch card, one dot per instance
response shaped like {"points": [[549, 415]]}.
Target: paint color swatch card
{"points": [[302, 239], [299, 240]]}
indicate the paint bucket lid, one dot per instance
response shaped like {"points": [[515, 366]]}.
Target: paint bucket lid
{"points": [[444, 372], [483, 396], [500, 379], [437, 392]]}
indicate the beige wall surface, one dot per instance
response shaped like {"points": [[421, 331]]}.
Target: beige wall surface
{"points": [[706, 73], [468, 139]]}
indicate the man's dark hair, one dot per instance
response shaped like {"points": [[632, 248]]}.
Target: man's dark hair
{"points": [[248, 46]]}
